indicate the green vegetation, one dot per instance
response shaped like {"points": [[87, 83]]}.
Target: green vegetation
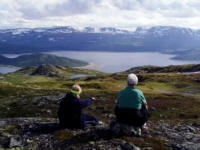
{"points": [[168, 69], [174, 96], [39, 59], [171, 97]]}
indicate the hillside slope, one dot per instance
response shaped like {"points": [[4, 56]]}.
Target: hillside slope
{"points": [[39, 59], [29, 104], [48, 70], [167, 69]]}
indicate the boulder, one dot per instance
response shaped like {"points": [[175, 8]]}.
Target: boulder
{"points": [[124, 129], [15, 141]]}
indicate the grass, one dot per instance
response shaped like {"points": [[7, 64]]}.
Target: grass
{"points": [[174, 97]]}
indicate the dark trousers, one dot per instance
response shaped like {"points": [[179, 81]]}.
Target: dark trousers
{"points": [[77, 121], [88, 119], [133, 117]]}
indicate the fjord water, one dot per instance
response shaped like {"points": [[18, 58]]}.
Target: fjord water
{"points": [[111, 62], [8, 69]]}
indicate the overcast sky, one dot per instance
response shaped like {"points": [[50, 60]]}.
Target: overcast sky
{"points": [[123, 14]]}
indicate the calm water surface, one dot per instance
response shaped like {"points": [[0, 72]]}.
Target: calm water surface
{"points": [[120, 61], [8, 69], [113, 61]]}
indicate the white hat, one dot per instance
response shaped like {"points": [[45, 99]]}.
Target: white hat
{"points": [[132, 79]]}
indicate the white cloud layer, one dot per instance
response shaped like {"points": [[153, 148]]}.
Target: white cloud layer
{"points": [[124, 14]]}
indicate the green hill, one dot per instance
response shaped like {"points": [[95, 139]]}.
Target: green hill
{"points": [[49, 70], [167, 69], [39, 59]]}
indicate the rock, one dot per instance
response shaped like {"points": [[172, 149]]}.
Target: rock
{"points": [[147, 148], [35, 100], [41, 104], [3, 124], [49, 111], [123, 129], [152, 109], [111, 116], [185, 128], [15, 141], [92, 143], [113, 144], [186, 146], [128, 146], [181, 137], [196, 124]]}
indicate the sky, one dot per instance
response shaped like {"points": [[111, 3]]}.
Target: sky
{"points": [[122, 14]]}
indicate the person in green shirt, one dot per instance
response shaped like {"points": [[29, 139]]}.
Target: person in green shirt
{"points": [[131, 105]]}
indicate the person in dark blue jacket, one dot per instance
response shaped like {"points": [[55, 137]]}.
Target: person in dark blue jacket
{"points": [[70, 110]]}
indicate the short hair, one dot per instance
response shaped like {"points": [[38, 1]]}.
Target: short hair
{"points": [[132, 79]]}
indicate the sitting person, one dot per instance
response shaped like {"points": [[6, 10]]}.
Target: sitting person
{"points": [[70, 110], [131, 106]]}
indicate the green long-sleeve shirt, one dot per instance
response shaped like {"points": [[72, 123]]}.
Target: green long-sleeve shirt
{"points": [[130, 98]]}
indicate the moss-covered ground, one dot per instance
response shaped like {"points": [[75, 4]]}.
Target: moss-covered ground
{"points": [[171, 97]]}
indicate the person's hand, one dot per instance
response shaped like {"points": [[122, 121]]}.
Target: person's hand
{"points": [[93, 99]]}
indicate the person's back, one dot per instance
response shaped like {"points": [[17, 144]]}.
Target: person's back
{"points": [[130, 104], [130, 97], [70, 110]]}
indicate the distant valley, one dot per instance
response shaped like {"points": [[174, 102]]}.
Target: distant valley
{"points": [[183, 42]]}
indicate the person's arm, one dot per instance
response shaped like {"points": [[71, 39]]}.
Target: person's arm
{"points": [[84, 103], [144, 100], [145, 104]]}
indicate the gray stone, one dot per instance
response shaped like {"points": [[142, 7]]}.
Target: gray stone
{"points": [[41, 104], [188, 135], [35, 100], [185, 128], [15, 141], [3, 124], [128, 146], [147, 148], [187, 146], [123, 129], [196, 124], [174, 136], [152, 109]]}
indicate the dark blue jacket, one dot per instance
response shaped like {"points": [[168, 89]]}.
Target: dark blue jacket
{"points": [[70, 111]]}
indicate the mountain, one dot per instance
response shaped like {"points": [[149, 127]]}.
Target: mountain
{"points": [[158, 38], [39, 59], [191, 54]]}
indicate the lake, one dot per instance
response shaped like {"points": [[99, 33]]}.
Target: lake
{"points": [[114, 61], [8, 69], [120, 61]]}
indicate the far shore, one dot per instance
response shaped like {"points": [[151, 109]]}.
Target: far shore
{"points": [[91, 66]]}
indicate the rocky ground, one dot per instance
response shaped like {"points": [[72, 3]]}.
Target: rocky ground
{"points": [[45, 134], [173, 100]]}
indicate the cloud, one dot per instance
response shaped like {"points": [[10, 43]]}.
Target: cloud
{"points": [[125, 14], [35, 10]]}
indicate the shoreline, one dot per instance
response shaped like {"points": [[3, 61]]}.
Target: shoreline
{"points": [[90, 66]]}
